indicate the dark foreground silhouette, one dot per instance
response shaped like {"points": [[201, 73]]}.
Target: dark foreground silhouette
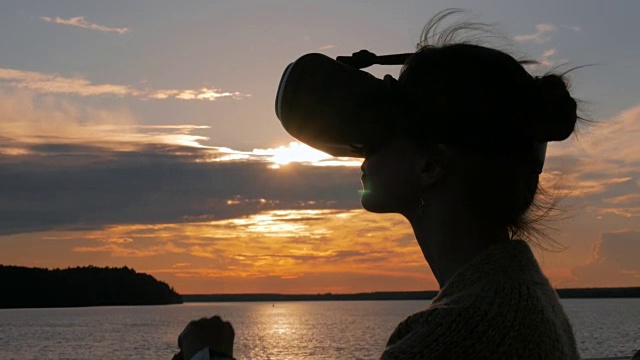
{"points": [[24, 287]]}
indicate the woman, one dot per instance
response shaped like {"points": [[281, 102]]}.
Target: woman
{"points": [[462, 165]]}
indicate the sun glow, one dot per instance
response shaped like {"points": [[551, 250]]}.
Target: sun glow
{"points": [[281, 223], [297, 152], [294, 152]]}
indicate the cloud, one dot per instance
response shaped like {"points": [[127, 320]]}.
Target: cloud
{"points": [[616, 139], [614, 261], [70, 166], [587, 187], [627, 212], [624, 199], [199, 94], [31, 122], [109, 186], [126, 191], [573, 28], [79, 186], [121, 251], [28, 118], [603, 163], [80, 22], [360, 252], [545, 60], [109, 170], [56, 84], [285, 244], [542, 34], [326, 47]]}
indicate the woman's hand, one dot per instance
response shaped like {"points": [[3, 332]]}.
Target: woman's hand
{"points": [[212, 333]]}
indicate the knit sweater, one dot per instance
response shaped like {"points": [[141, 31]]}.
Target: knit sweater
{"points": [[499, 306]]}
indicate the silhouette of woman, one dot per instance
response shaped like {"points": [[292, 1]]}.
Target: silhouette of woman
{"points": [[462, 166]]}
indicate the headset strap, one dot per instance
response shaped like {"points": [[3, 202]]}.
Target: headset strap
{"points": [[364, 58]]}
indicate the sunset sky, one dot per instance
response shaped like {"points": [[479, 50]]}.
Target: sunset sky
{"points": [[144, 134]]}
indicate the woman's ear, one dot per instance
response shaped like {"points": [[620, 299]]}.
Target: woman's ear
{"points": [[430, 173]]}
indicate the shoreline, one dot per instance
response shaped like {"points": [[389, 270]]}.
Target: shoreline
{"points": [[574, 293]]}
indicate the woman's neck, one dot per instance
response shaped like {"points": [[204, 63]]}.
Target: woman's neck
{"points": [[450, 237]]}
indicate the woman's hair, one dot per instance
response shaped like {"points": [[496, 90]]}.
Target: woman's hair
{"points": [[483, 100]]}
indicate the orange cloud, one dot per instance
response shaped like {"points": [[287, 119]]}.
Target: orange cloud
{"points": [[624, 199], [628, 212], [285, 245], [119, 250], [295, 251], [300, 250], [180, 265]]}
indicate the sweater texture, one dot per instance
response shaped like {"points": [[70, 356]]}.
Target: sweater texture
{"points": [[499, 306]]}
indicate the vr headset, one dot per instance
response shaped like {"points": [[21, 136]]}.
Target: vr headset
{"points": [[334, 106]]}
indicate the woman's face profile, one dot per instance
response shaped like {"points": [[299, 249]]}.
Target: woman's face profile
{"points": [[391, 177]]}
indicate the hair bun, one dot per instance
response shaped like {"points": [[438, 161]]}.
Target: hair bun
{"points": [[558, 110]]}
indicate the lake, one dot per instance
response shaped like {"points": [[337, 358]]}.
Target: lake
{"points": [[283, 330]]}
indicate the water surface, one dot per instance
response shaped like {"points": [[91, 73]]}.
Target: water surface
{"points": [[284, 330]]}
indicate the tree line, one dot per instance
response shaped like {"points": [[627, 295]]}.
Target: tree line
{"points": [[24, 287]]}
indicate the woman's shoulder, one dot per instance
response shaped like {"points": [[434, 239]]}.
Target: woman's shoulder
{"points": [[511, 323], [504, 263]]}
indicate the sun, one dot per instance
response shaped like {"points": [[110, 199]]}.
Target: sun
{"points": [[294, 152]]}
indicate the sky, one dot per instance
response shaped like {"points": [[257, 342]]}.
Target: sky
{"points": [[144, 134]]}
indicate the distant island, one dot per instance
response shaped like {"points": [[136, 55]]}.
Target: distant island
{"points": [[24, 287], [628, 292]]}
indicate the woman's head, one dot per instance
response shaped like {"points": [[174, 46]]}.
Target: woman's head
{"points": [[472, 117], [482, 98]]}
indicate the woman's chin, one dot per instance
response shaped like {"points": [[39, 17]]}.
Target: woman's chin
{"points": [[373, 204]]}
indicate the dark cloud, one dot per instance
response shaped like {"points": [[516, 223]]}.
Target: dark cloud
{"points": [[65, 186]]}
